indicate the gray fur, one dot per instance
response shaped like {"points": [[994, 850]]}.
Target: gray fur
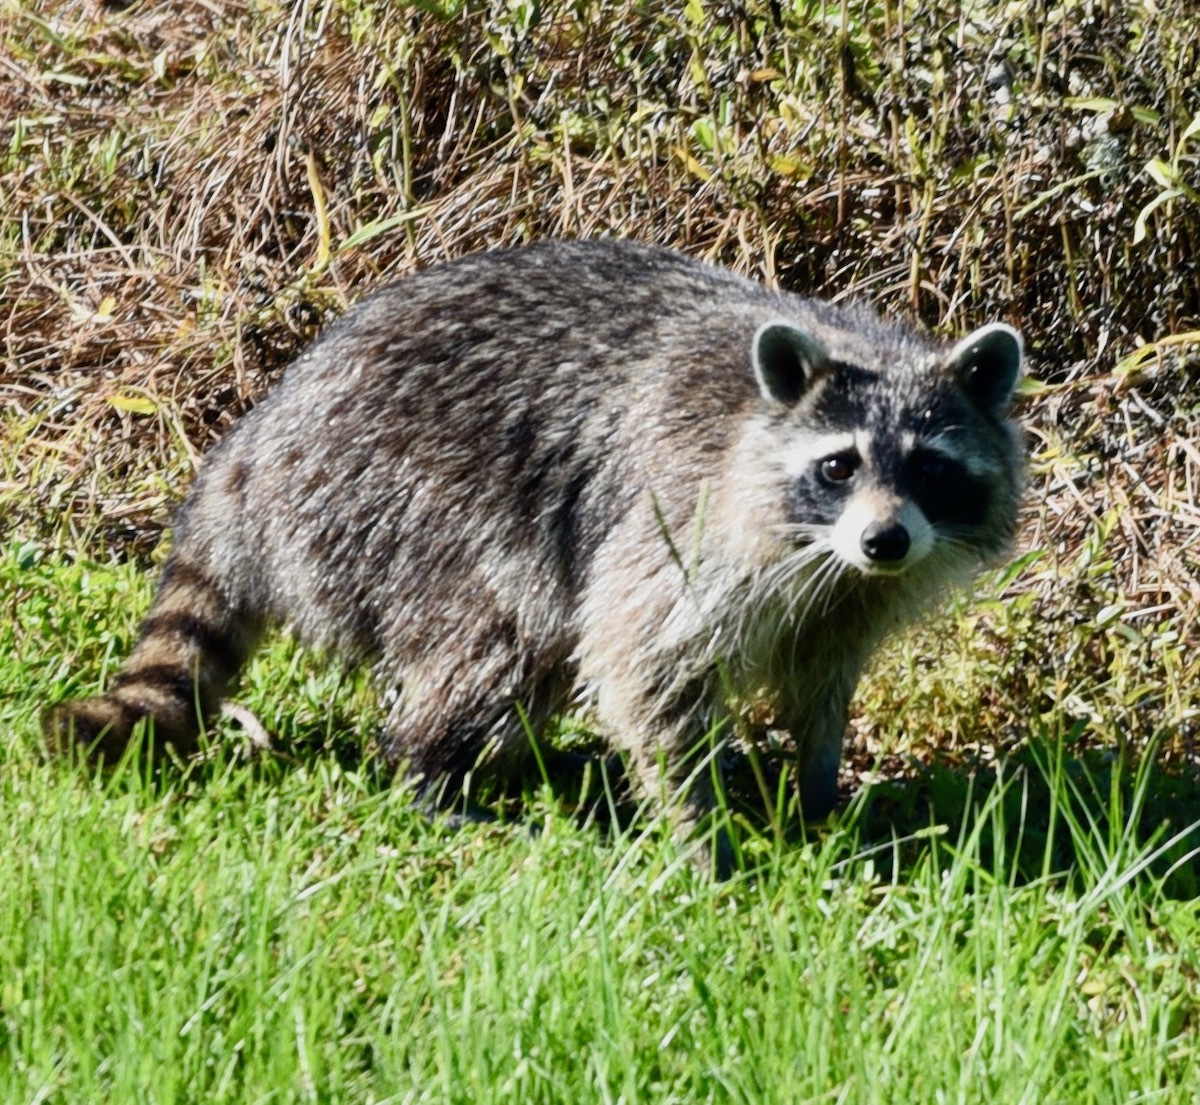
{"points": [[562, 475]]}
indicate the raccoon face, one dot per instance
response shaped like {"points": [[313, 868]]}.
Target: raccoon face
{"points": [[885, 467]]}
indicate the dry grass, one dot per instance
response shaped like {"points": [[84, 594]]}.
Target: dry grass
{"points": [[188, 190]]}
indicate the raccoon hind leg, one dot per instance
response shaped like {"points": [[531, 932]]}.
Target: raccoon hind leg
{"points": [[191, 644], [666, 725], [468, 720]]}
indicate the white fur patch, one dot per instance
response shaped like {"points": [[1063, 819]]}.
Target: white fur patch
{"points": [[807, 451], [869, 507]]}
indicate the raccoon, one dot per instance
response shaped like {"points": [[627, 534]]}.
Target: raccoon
{"points": [[598, 475]]}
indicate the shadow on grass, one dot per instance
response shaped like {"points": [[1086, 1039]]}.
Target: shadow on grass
{"points": [[1049, 809]]}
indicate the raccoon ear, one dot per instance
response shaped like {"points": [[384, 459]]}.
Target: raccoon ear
{"points": [[786, 359], [987, 363]]}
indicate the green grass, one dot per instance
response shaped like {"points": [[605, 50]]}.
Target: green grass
{"points": [[283, 928]]}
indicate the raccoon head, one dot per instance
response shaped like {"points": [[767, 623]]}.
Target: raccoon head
{"points": [[886, 464]]}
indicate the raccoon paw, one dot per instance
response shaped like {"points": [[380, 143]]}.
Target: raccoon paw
{"points": [[818, 796]]}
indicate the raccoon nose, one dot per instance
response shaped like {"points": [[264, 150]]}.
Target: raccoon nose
{"points": [[885, 541]]}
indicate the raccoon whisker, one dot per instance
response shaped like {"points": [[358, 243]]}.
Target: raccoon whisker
{"points": [[804, 562], [821, 581], [754, 610], [780, 577], [834, 589], [790, 576], [958, 546], [960, 537], [802, 600], [789, 572], [797, 532], [825, 571], [825, 586]]}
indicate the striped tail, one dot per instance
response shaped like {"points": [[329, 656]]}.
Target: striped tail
{"points": [[192, 643]]}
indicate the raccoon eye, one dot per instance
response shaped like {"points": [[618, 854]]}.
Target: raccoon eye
{"points": [[837, 469]]}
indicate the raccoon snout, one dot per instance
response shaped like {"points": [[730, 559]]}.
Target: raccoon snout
{"points": [[881, 536], [885, 542]]}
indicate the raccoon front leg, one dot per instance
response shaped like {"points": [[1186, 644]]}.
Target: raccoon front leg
{"points": [[818, 759], [818, 732]]}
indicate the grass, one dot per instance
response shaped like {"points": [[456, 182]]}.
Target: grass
{"points": [[281, 927]]}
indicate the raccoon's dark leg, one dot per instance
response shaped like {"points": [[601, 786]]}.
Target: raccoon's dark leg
{"points": [[818, 758], [819, 734], [456, 726], [192, 643]]}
